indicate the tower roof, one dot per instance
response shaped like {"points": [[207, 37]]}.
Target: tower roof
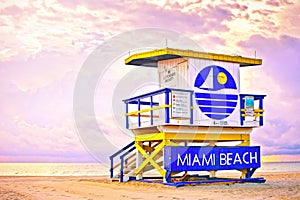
{"points": [[150, 58]]}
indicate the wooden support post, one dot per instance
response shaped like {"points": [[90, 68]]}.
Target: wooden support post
{"points": [[150, 158], [244, 173], [212, 174], [139, 160]]}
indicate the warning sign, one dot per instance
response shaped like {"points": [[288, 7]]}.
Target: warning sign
{"points": [[180, 104], [249, 106]]}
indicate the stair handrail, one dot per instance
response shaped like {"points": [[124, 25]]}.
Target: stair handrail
{"points": [[116, 154], [122, 162]]}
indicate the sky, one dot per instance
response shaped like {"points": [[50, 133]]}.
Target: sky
{"points": [[44, 45]]}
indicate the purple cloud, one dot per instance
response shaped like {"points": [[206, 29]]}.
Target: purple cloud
{"points": [[280, 79], [141, 14], [280, 59], [43, 47], [273, 3], [36, 110]]}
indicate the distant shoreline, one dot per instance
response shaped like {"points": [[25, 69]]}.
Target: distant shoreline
{"points": [[99, 170]]}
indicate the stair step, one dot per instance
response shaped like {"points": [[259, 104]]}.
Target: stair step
{"points": [[115, 179], [126, 172]]}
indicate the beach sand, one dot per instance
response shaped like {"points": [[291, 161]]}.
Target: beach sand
{"points": [[278, 186]]}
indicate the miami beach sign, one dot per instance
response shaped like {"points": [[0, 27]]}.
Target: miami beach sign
{"points": [[197, 158]]}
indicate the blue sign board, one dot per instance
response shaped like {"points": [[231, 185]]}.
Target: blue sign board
{"points": [[198, 158]]}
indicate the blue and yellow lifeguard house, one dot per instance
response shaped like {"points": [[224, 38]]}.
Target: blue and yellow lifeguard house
{"points": [[198, 121]]}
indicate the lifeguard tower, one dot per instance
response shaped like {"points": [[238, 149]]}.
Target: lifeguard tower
{"points": [[196, 122]]}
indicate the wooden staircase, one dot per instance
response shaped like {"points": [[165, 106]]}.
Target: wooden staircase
{"points": [[123, 170]]}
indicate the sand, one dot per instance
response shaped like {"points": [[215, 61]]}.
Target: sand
{"points": [[278, 186]]}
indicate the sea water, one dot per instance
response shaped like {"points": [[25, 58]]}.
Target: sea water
{"points": [[96, 169], [279, 167], [53, 169]]}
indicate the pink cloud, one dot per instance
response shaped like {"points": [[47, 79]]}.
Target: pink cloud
{"points": [[36, 110], [44, 46], [279, 78], [169, 16], [273, 3], [281, 58]]}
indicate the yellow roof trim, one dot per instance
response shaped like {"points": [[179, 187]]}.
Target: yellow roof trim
{"points": [[151, 57]]}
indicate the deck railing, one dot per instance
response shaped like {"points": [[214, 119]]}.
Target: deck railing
{"points": [[257, 112], [144, 106], [149, 100]]}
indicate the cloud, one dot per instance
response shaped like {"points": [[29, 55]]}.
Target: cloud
{"points": [[280, 61], [277, 3], [36, 110], [279, 78], [38, 91], [45, 43], [30, 141], [50, 27], [173, 16], [273, 3], [72, 27]]}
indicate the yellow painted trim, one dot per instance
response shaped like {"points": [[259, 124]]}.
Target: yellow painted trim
{"points": [[255, 115], [259, 110], [204, 129], [192, 107], [157, 52], [170, 143], [149, 137], [136, 115], [255, 110], [245, 61], [191, 137], [206, 137], [150, 159], [244, 143], [147, 110]]}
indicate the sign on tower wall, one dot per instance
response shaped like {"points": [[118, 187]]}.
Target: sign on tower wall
{"points": [[216, 88]]}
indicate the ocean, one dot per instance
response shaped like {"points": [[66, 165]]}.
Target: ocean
{"points": [[279, 167], [95, 169], [53, 169]]}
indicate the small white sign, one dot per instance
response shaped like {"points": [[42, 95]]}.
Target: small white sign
{"points": [[170, 77], [180, 104], [249, 106]]}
